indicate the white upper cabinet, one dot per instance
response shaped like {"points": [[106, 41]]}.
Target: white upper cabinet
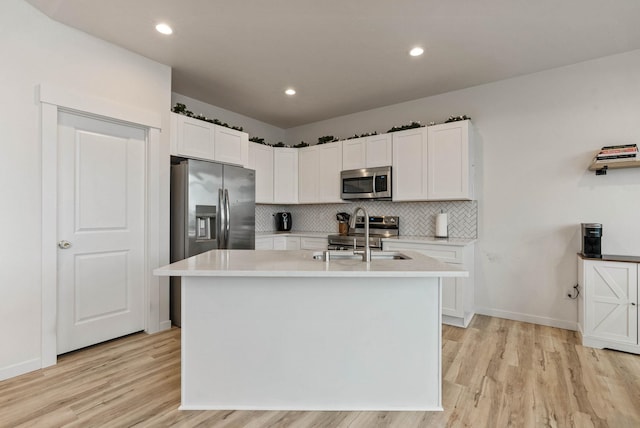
{"points": [[367, 152], [319, 173], [449, 161], [379, 150], [354, 153], [194, 138], [231, 146], [261, 160], [285, 175], [433, 163], [191, 137], [409, 172]]}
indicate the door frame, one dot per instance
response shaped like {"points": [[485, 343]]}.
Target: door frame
{"points": [[53, 99]]}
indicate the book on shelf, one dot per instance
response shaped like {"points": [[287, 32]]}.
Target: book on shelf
{"points": [[623, 158], [611, 152], [618, 156], [620, 146]]}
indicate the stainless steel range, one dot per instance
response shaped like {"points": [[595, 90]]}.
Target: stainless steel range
{"points": [[379, 227]]}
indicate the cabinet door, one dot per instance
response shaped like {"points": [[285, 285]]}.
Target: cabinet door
{"points": [[193, 138], [231, 146], [329, 167], [353, 154], [264, 243], [611, 298], [286, 243], [410, 165], [285, 176], [457, 293], [308, 174], [313, 243], [448, 165], [261, 160], [379, 150]]}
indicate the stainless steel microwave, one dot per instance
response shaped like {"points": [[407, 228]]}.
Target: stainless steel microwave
{"points": [[366, 183]]}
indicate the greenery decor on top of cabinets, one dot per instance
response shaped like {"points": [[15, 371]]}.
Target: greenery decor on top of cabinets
{"points": [[194, 138], [434, 163]]}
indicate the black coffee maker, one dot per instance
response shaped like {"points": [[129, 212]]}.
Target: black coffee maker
{"points": [[591, 237], [283, 222]]}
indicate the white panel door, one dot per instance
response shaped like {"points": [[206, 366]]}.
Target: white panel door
{"points": [[285, 176], [195, 138], [611, 293], [354, 153], [101, 231]]}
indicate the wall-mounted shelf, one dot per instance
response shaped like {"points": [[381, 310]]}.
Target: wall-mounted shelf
{"points": [[601, 168]]}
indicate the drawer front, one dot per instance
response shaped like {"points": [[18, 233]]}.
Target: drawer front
{"points": [[264, 243], [444, 253]]}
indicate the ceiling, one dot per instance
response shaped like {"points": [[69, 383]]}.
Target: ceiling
{"points": [[345, 56]]}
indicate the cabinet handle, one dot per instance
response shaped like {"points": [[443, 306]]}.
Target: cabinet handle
{"points": [[633, 304]]}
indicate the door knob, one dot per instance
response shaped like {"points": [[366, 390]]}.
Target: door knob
{"points": [[64, 244]]}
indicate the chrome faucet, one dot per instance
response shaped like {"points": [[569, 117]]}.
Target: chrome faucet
{"points": [[366, 254]]}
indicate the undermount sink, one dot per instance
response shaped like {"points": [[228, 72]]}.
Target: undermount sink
{"points": [[348, 255]]}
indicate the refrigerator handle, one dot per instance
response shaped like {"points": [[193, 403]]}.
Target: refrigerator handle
{"points": [[227, 216], [220, 223]]}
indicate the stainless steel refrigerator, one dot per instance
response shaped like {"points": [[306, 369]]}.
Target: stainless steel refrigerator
{"points": [[212, 207]]}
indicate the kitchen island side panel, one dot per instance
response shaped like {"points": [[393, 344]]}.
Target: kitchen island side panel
{"points": [[280, 343]]}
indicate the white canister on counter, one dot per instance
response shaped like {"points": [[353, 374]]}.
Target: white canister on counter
{"points": [[442, 226]]}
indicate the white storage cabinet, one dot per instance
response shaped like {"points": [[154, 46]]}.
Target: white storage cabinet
{"points": [[319, 169], [285, 175], [608, 304], [434, 163], [194, 138], [458, 294], [367, 152], [261, 160]]}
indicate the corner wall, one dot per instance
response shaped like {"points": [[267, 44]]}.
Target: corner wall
{"points": [[38, 50], [537, 135]]}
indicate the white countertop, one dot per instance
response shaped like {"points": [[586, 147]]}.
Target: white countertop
{"points": [[300, 263], [458, 242]]}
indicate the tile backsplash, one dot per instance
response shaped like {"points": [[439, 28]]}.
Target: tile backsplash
{"points": [[416, 218]]}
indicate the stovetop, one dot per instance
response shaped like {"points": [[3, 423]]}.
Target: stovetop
{"points": [[379, 227]]}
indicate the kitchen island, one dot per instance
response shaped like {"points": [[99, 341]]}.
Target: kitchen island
{"points": [[284, 330]]}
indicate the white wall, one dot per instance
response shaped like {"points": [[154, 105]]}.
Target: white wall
{"points": [[253, 127], [538, 134], [38, 50]]}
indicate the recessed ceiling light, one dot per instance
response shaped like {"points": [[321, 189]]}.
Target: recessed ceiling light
{"points": [[164, 29], [290, 91], [416, 51]]}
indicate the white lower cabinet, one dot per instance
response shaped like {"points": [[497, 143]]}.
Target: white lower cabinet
{"points": [[319, 244], [608, 304], [457, 293], [286, 243], [264, 243]]}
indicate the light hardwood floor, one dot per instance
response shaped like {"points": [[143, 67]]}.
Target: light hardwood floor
{"points": [[497, 373]]}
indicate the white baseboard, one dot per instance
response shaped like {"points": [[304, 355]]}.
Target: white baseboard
{"points": [[20, 368], [534, 319], [165, 325]]}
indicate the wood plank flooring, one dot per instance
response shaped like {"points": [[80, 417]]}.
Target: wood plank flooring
{"points": [[497, 373]]}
